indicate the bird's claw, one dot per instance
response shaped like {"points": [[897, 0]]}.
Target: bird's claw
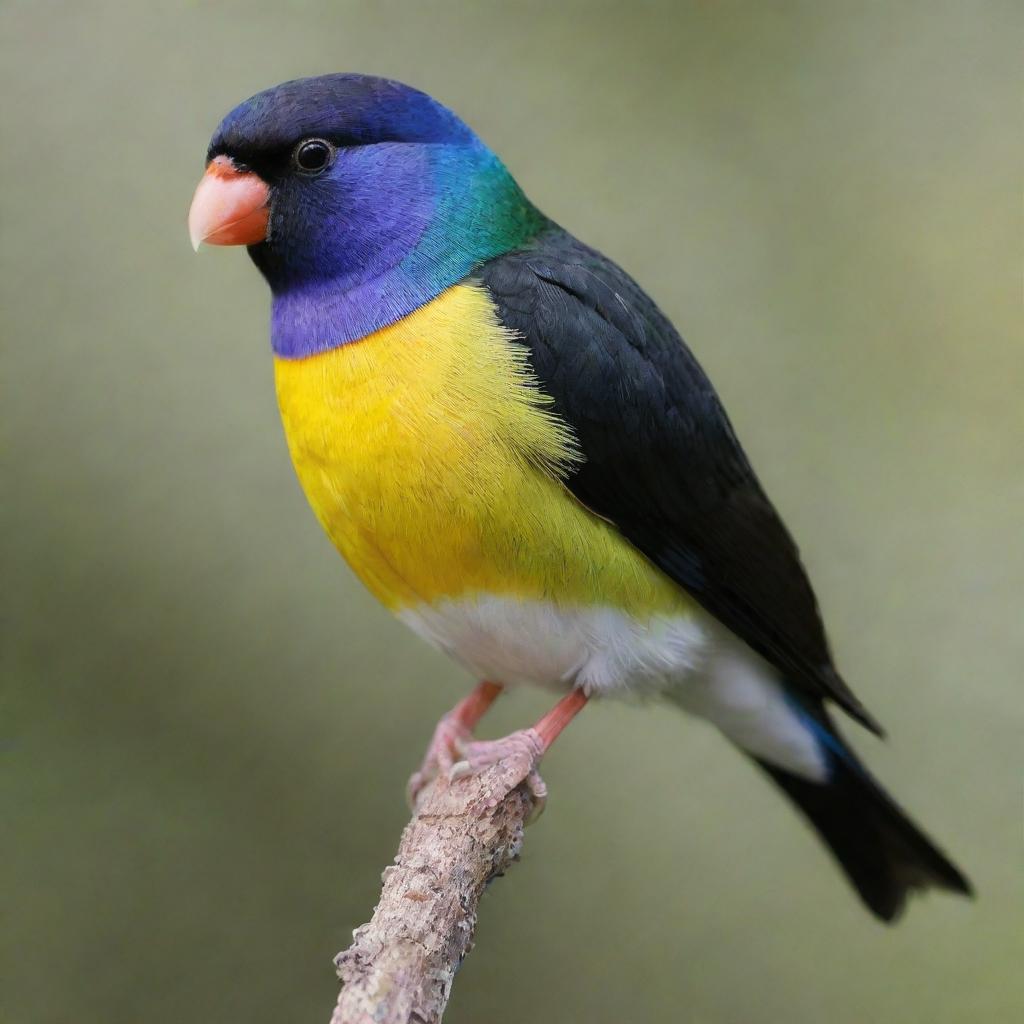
{"points": [[444, 750], [454, 753]]}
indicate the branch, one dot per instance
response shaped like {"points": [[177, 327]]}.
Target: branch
{"points": [[400, 966]]}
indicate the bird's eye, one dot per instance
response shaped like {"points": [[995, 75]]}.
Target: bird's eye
{"points": [[313, 156]]}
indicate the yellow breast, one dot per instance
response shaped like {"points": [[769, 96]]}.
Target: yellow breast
{"points": [[434, 463]]}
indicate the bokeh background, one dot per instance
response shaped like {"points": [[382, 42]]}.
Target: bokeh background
{"points": [[207, 723]]}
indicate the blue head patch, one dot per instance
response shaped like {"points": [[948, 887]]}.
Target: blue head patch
{"points": [[410, 202]]}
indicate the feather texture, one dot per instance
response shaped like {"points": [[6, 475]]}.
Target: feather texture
{"points": [[661, 459], [517, 453], [436, 465]]}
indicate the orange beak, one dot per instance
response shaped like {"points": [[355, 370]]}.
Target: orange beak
{"points": [[230, 207]]}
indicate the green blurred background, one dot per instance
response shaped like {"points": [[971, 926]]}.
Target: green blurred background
{"points": [[207, 724]]}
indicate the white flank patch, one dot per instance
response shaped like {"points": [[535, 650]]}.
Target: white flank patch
{"points": [[741, 694]]}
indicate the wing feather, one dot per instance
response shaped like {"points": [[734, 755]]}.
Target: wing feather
{"points": [[661, 459]]}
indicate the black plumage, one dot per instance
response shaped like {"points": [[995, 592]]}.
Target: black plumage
{"points": [[662, 464], [883, 853], [661, 459]]}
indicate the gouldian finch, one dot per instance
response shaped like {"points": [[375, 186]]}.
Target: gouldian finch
{"points": [[519, 456]]}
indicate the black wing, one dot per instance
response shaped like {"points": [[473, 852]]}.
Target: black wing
{"points": [[661, 460]]}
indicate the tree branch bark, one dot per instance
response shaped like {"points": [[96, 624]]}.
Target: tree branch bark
{"points": [[400, 966]]}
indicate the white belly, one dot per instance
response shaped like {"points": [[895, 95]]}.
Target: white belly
{"points": [[599, 649], [701, 666]]}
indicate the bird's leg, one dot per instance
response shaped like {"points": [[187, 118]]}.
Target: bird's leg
{"points": [[453, 731], [522, 751]]}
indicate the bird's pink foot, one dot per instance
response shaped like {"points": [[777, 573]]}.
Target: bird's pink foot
{"points": [[453, 732], [516, 756], [519, 755], [444, 750]]}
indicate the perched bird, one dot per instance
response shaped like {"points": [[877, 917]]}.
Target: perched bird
{"points": [[519, 456]]}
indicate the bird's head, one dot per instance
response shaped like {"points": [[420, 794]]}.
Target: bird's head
{"points": [[359, 199]]}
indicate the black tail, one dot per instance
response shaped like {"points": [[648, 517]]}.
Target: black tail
{"points": [[883, 853]]}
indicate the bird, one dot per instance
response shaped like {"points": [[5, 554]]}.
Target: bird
{"points": [[519, 456]]}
